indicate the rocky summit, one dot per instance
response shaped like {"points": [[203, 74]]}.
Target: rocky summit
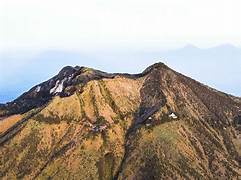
{"points": [[88, 124]]}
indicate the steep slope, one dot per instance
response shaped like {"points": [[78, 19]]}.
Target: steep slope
{"points": [[87, 124]]}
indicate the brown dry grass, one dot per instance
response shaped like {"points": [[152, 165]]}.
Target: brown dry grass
{"points": [[8, 122]]}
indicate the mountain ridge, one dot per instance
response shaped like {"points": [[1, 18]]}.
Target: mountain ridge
{"points": [[70, 73]]}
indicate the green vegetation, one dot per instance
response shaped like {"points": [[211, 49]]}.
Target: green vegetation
{"points": [[109, 99], [93, 101], [105, 167]]}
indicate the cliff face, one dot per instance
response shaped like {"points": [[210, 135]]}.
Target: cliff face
{"points": [[87, 124]]}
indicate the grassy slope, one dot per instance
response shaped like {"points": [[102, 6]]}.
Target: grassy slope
{"points": [[59, 142]]}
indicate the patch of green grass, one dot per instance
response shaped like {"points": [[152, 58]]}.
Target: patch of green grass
{"points": [[105, 167], [82, 105], [93, 101], [167, 134], [51, 119], [109, 99], [100, 121]]}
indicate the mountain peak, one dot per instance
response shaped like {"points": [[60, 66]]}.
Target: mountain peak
{"points": [[68, 70], [159, 66]]}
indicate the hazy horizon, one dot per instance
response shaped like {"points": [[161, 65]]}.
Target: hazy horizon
{"points": [[219, 67]]}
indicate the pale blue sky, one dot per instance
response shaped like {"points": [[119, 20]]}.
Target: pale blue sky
{"points": [[218, 67]]}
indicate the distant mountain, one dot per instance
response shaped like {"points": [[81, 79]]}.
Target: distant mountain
{"points": [[88, 124], [218, 67]]}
